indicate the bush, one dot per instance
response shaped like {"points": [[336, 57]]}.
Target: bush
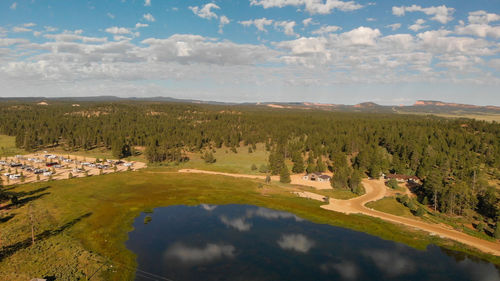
{"points": [[392, 183], [263, 168], [254, 167], [480, 227], [420, 211]]}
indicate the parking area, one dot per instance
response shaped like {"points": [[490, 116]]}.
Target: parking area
{"points": [[45, 166]]}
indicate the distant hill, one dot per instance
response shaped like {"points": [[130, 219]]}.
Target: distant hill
{"points": [[439, 108]]}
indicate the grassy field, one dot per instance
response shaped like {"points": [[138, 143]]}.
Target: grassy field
{"points": [[8, 146], [230, 162], [82, 224], [392, 206]]}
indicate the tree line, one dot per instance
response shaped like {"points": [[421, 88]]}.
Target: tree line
{"points": [[453, 158]]}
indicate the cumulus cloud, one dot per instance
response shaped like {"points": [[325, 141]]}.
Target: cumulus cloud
{"points": [[326, 29], [147, 3], [364, 36], [149, 17], [111, 16], [239, 224], [271, 214], [482, 17], [394, 26], [118, 30], [13, 6], [479, 30], [194, 255], [419, 24], [441, 13], [295, 242], [286, 27], [140, 25], [260, 24], [307, 22], [205, 12], [312, 6], [223, 20]]}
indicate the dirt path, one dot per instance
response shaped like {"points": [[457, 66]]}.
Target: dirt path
{"points": [[376, 190], [296, 178]]}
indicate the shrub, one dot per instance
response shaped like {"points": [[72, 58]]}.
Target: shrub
{"points": [[254, 167], [392, 183]]}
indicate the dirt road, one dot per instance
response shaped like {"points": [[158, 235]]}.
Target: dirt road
{"points": [[296, 178], [376, 190]]}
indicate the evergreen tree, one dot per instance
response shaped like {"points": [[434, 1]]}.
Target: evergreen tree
{"points": [[298, 163], [285, 175]]}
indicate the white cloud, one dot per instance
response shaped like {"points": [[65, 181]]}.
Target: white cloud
{"points": [[307, 22], [286, 27], [364, 36], [50, 28], [194, 255], [311, 6], [296, 242], [394, 26], [223, 20], [326, 29], [29, 24], [260, 24], [441, 13], [148, 17], [206, 11], [239, 224], [13, 6], [18, 29], [140, 25], [371, 19], [5, 42], [147, 3], [482, 17], [111, 16], [118, 30], [419, 24], [480, 30]]}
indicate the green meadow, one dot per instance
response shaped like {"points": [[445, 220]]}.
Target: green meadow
{"points": [[81, 225]]}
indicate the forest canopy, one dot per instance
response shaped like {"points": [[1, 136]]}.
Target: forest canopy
{"points": [[453, 158]]}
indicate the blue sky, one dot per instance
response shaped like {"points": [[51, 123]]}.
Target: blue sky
{"points": [[329, 51]]}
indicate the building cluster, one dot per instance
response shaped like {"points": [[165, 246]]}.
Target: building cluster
{"points": [[20, 166]]}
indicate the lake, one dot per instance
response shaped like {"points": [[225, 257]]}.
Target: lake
{"points": [[242, 242]]}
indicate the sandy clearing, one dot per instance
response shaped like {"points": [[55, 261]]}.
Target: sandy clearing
{"points": [[296, 178], [376, 190]]}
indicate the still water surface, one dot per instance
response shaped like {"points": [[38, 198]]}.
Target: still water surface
{"points": [[242, 242]]}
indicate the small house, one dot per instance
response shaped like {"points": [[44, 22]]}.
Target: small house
{"points": [[316, 177], [403, 178]]}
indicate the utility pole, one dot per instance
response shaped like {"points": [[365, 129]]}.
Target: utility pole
{"points": [[32, 221]]}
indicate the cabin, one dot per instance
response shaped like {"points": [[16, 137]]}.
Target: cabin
{"points": [[316, 177], [403, 178], [14, 177]]}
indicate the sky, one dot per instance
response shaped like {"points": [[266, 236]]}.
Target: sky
{"points": [[326, 51]]}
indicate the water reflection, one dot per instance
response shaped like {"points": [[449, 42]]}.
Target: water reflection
{"points": [[238, 242]]}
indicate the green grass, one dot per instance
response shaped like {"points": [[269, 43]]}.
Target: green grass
{"points": [[392, 206], [230, 162], [114, 200], [8, 146]]}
